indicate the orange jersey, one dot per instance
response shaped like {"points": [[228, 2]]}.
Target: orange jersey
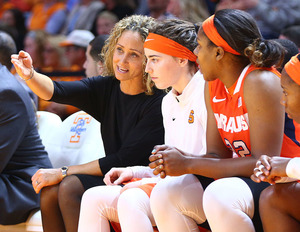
{"points": [[291, 145], [231, 113], [41, 14], [5, 6]]}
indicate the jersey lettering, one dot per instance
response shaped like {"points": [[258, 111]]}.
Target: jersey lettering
{"points": [[232, 124]]}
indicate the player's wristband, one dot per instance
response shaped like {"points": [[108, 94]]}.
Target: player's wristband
{"points": [[293, 168], [141, 171]]}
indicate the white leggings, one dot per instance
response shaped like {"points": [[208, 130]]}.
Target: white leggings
{"points": [[178, 204], [98, 205], [134, 211], [229, 206], [102, 204]]}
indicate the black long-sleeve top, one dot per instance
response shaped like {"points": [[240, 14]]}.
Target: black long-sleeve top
{"points": [[131, 125]]}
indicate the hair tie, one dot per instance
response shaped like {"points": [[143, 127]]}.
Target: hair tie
{"points": [[211, 32], [196, 27], [167, 46]]}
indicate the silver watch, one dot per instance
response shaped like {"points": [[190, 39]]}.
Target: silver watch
{"points": [[64, 171]]}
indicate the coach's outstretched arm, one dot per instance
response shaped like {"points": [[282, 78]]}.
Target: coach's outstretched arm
{"points": [[40, 84]]}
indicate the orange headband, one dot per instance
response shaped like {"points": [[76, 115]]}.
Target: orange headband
{"points": [[211, 32], [167, 46], [293, 69]]}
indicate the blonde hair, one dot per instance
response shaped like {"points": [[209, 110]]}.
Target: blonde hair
{"points": [[54, 41], [135, 23], [108, 15], [192, 10], [39, 37]]}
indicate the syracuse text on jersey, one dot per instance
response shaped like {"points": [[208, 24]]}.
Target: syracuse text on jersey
{"points": [[232, 124]]}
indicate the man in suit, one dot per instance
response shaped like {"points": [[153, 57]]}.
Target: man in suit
{"points": [[21, 150]]}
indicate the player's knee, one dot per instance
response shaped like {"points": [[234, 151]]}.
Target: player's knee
{"points": [[228, 194], [211, 200], [266, 194], [268, 197], [88, 198], [162, 192], [128, 199], [133, 200], [215, 194], [159, 197]]}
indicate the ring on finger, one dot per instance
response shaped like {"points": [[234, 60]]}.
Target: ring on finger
{"points": [[258, 173], [258, 163], [261, 167], [159, 167]]}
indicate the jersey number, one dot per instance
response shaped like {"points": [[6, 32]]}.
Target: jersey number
{"points": [[238, 146], [191, 117]]}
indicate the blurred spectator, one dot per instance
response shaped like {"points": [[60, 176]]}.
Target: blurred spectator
{"points": [[105, 21], [15, 20], [94, 61], [57, 22], [82, 15], [53, 54], [21, 150], [71, 3], [43, 12], [22, 5], [292, 33], [13, 71], [158, 9], [291, 50], [4, 6], [190, 10], [121, 8], [9, 30], [57, 68], [142, 7], [75, 47], [211, 6], [272, 16], [34, 44]]}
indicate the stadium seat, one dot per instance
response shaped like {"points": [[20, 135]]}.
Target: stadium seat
{"points": [[48, 123], [76, 140]]}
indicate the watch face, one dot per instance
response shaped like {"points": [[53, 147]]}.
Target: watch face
{"points": [[64, 170]]}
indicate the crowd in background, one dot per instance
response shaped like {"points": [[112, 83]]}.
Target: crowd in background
{"points": [[43, 27]]}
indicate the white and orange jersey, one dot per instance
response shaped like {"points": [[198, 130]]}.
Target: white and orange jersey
{"points": [[185, 122], [231, 113], [185, 117]]}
